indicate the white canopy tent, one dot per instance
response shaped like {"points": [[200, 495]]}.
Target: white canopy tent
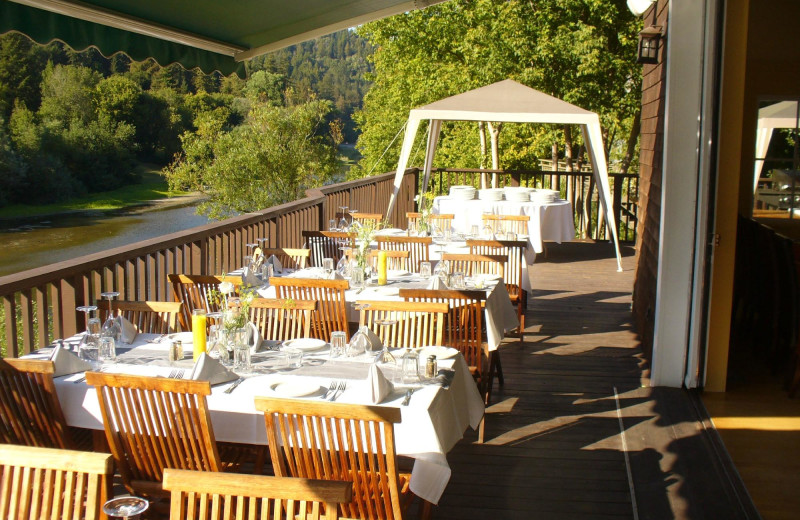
{"points": [[508, 101], [779, 115]]}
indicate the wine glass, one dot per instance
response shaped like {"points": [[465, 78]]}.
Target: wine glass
{"points": [[92, 323], [343, 265], [385, 357], [111, 326], [343, 225], [353, 223]]}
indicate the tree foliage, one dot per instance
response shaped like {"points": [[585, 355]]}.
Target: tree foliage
{"points": [[582, 51], [276, 154]]}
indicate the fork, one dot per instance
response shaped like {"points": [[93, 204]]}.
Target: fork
{"points": [[339, 389], [331, 388]]}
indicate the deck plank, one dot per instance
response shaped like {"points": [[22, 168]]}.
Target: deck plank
{"points": [[553, 441]]}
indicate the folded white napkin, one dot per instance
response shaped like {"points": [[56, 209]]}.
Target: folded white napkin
{"points": [[379, 386], [316, 273], [67, 362], [437, 284], [129, 330], [255, 338], [250, 278], [211, 370], [277, 266]]}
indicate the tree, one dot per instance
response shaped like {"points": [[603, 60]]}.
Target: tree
{"points": [[272, 158], [68, 93], [582, 51]]}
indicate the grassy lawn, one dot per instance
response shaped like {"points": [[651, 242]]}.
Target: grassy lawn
{"points": [[153, 186]]}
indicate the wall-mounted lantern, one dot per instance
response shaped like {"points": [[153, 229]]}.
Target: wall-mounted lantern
{"points": [[649, 41]]}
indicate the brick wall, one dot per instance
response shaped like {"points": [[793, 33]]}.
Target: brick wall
{"points": [[651, 145]]}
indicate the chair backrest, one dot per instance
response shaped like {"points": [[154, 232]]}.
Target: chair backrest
{"points": [[336, 441], [151, 317], [418, 248], [505, 223], [394, 259], [192, 290], [372, 218], [290, 257], [464, 324], [513, 250], [279, 320], [198, 495], [443, 220], [50, 483], [153, 423], [31, 413], [331, 313], [327, 244], [471, 264], [418, 324]]}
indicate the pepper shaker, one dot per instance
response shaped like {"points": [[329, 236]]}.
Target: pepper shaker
{"points": [[431, 368]]}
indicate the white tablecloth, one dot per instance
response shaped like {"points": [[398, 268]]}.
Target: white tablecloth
{"points": [[500, 315], [551, 221], [432, 423]]}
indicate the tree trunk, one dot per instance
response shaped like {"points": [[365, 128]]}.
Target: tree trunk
{"points": [[568, 147], [633, 138], [554, 157], [494, 134], [482, 136]]}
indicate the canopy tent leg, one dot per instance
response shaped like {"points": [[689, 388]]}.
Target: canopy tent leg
{"points": [[434, 129], [594, 138], [405, 152]]}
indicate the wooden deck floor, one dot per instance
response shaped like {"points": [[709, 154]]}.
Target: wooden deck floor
{"points": [[576, 432]]}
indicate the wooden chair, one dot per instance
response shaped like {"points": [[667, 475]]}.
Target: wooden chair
{"points": [[290, 257], [505, 223], [192, 290], [153, 423], [418, 248], [327, 244], [30, 412], [372, 218], [279, 320], [394, 259], [514, 252], [331, 313], [198, 495], [149, 317], [337, 441], [418, 324], [39, 483], [463, 331], [472, 264], [443, 220]]}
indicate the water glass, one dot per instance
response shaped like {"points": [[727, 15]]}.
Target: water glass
{"points": [[474, 231], [88, 352], [293, 357], [410, 367], [457, 280], [107, 350], [338, 343], [241, 357], [511, 235], [327, 264], [425, 269], [332, 225], [357, 277]]}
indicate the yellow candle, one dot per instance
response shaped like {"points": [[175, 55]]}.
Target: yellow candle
{"points": [[198, 333], [382, 271]]}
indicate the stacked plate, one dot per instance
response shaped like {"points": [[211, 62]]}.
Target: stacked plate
{"points": [[518, 194], [462, 192], [494, 194], [543, 196]]}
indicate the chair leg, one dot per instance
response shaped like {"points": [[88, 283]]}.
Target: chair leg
{"points": [[495, 367], [425, 510]]}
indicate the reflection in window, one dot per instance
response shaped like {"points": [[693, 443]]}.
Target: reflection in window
{"points": [[777, 162]]}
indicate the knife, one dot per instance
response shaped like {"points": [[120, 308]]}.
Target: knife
{"points": [[234, 385]]}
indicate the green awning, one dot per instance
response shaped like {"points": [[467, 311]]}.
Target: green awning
{"points": [[213, 35]]}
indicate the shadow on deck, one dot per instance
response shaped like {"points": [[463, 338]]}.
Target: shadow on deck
{"points": [[576, 401]]}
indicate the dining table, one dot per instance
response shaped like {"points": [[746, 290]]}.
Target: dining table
{"points": [[499, 313], [551, 221], [434, 419]]}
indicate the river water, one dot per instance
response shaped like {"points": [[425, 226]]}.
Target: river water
{"points": [[45, 241]]}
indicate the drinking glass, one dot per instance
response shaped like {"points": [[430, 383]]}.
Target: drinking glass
{"points": [[293, 357], [332, 225], [107, 350], [327, 265], [425, 269], [457, 280], [338, 343], [90, 323], [88, 352], [125, 507], [410, 367], [357, 277], [343, 225], [343, 265], [111, 326], [474, 231], [241, 351], [386, 357]]}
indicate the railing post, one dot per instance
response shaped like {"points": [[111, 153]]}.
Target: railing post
{"points": [[10, 309], [515, 177], [617, 198]]}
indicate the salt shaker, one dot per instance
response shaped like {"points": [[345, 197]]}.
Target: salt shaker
{"points": [[431, 368]]}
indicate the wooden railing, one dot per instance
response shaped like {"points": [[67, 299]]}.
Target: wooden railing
{"points": [[577, 187], [40, 304]]}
